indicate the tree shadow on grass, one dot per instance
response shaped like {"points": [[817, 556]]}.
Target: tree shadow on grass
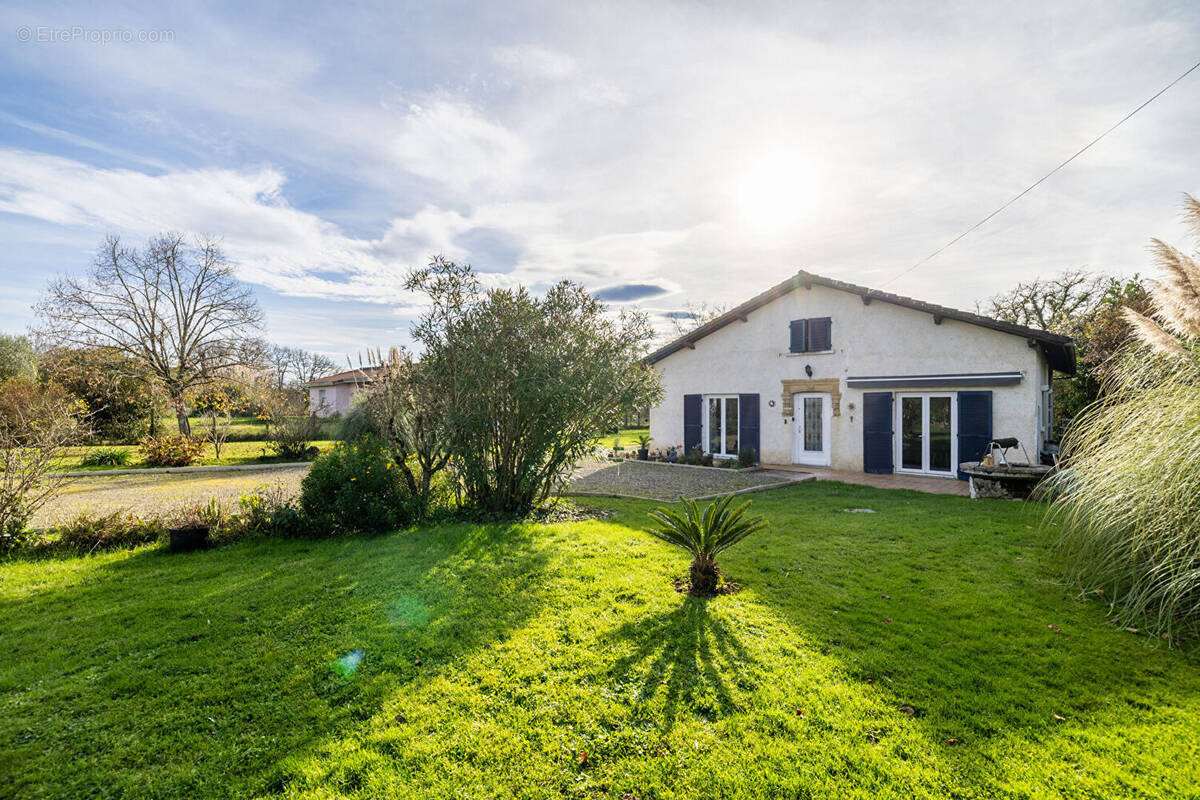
{"points": [[210, 668], [684, 660]]}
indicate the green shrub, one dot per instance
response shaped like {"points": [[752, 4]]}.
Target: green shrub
{"points": [[89, 532], [270, 512], [747, 456], [291, 437], [697, 457], [172, 451], [356, 487], [106, 457]]}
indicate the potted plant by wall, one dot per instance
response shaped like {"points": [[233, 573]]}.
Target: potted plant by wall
{"points": [[643, 447]]}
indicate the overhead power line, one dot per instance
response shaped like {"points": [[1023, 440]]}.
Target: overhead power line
{"points": [[1040, 180]]}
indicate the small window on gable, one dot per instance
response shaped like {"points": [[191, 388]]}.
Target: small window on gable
{"points": [[811, 335]]}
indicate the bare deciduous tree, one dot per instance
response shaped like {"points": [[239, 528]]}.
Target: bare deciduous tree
{"points": [[1049, 304], [295, 366], [176, 307], [37, 424], [695, 315]]}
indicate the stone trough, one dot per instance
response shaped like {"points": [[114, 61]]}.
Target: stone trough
{"points": [[1011, 481]]}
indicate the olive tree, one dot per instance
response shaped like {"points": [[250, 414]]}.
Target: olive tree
{"points": [[525, 384], [18, 359], [174, 306]]}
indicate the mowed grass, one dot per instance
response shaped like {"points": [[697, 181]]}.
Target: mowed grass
{"points": [[626, 438], [558, 661], [248, 429], [232, 453]]}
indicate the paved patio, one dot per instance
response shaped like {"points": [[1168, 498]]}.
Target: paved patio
{"points": [[894, 481]]}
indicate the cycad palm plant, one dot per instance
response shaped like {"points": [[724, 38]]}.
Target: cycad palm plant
{"points": [[1131, 512], [705, 533]]}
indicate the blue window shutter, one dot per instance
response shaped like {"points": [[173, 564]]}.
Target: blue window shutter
{"points": [[691, 422], [799, 335], [877, 432], [819, 334], [748, 422], [974, 427]]}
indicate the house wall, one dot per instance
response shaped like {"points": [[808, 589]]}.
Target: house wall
{"points": [[879, 339], [338, 399]]}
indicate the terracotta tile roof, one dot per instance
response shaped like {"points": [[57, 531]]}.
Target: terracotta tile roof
{"points": [[358, 375]]}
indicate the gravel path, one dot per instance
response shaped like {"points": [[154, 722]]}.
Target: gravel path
{"points": [[148, 494], [667, 482]]}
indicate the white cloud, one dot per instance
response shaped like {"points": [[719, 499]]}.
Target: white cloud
{"points": [[532, 61], [615, 153], [451, 143]]}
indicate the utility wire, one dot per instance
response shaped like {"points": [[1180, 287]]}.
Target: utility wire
{"points": [[1039, 181]]}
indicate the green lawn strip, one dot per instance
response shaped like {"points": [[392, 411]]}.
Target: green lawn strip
{"points": [[232, 453], [232, 672], [626, 438], [247, 429]]}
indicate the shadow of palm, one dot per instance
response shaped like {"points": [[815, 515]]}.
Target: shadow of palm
{"points": [[688, 660]]}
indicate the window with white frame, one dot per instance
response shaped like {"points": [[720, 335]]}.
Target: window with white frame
{"points": [[721, 425]]}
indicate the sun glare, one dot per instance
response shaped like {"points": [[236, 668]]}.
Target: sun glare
{"points": [[777, 193]]}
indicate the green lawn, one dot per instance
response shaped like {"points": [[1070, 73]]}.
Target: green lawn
{"points": [[627, 438], [485, 661], [240, 428], [231, 453], [249, 429]]}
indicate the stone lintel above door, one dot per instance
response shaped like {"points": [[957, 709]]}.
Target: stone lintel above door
{"points": [[829, 386]]}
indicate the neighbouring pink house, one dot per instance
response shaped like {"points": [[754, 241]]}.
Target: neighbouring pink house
{"points": [[333, 394]]}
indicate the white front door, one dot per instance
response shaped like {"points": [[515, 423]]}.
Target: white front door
{"points": [[928, 434], [810, 428]]}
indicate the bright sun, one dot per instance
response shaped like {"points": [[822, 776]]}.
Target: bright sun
{"points": [[777, 193]]}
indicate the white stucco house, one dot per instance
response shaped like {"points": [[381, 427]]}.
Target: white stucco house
{"points": [[334, 394], [819, 372]]}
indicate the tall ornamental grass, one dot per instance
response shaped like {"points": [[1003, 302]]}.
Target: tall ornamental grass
{"points": [[1129, 508]]}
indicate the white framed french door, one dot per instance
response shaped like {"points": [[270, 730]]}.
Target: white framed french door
{"points": [[721, 425], [811, 428], [927, 434]]}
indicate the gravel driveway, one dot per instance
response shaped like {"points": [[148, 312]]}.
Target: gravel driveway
{"points": [[668, 482], [148, 494]]}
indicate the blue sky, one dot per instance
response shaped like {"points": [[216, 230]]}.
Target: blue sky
{"points": [[658, 154]]}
